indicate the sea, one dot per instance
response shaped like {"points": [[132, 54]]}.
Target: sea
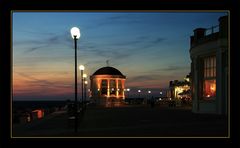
{"points": [[37, 104]]}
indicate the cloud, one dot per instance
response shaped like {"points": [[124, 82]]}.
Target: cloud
{"points": [[141, 78], [45, 42], [117, 20], [33, 81], [127, 43], [35, 48], [36, 32], [172, 68], [158, 40]]}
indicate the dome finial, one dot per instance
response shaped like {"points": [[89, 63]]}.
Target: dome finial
{"points": [[107, 62]]}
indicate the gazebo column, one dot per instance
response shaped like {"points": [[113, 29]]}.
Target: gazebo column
{"points": [[117, 93], [108, 87], [123, 87]]}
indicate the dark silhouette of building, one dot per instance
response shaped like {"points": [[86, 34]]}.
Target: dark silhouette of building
{"points": [[209, 68]]}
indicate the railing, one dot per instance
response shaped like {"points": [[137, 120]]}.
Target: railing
{"points": [[212, 30], [211, 33]]}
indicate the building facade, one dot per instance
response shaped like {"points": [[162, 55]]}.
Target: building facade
{"points": [[210, 68], [179, 90], [107, 86]]}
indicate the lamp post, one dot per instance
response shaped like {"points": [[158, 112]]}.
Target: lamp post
{"points": [[75, 33], [81, 68], [139, 91], [149, 92], [128, 90], [85, 91], [85, 86]]}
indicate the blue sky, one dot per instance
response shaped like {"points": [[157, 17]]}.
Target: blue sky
{"points": [[150, 48]]}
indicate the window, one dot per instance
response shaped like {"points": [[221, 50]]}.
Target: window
{"points": [[209, 78]]}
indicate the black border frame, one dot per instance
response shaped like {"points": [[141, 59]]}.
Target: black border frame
{"points": [[5, 15]]}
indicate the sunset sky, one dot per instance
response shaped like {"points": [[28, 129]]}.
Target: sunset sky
{"points": [[150, 48]]}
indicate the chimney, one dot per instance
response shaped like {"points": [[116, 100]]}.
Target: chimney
{"points": [[199, 33]]}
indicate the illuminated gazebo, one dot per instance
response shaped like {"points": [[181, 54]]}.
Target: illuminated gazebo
{"points": [[107, 86]]}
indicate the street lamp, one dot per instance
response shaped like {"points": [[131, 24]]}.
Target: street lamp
{"points": [[128, 90], [85, 92], [75, 33], [139, 91], [149, 92], [85, 85], [81, 68]]}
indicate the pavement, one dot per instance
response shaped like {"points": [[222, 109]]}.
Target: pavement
{"points": [[130, 121]]}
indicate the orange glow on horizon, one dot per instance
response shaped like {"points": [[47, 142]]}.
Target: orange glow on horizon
{"points": [[41, 84]]}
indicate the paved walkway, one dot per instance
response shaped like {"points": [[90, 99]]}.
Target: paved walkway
{"points": [[133, 121]]}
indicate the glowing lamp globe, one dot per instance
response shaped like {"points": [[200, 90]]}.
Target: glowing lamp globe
{"points": [[81, 67], [84, 75], [75, 32]]}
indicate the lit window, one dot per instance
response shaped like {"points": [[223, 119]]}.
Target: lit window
{"points": [[209, 88], [209, 78]]}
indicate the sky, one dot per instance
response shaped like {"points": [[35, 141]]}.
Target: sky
{"points": [[149, 48]]}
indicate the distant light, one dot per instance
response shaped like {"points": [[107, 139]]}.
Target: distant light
{"points": [[40, 113], [128, 89], [81, 67], [149, 91], [139, 91], [85, 82], [160, 93], [112, 89], [84, 75], [160, 99], [75, 32], [170, 98]]}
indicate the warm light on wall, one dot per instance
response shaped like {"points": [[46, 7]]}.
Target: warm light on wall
{"points": [[213, 88], [100, 84], [180, 89]]}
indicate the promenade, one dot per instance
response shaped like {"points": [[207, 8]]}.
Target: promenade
{"points": [[129, 121]]}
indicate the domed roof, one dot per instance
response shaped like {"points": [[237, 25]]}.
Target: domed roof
{"points": [[108, 71]]}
